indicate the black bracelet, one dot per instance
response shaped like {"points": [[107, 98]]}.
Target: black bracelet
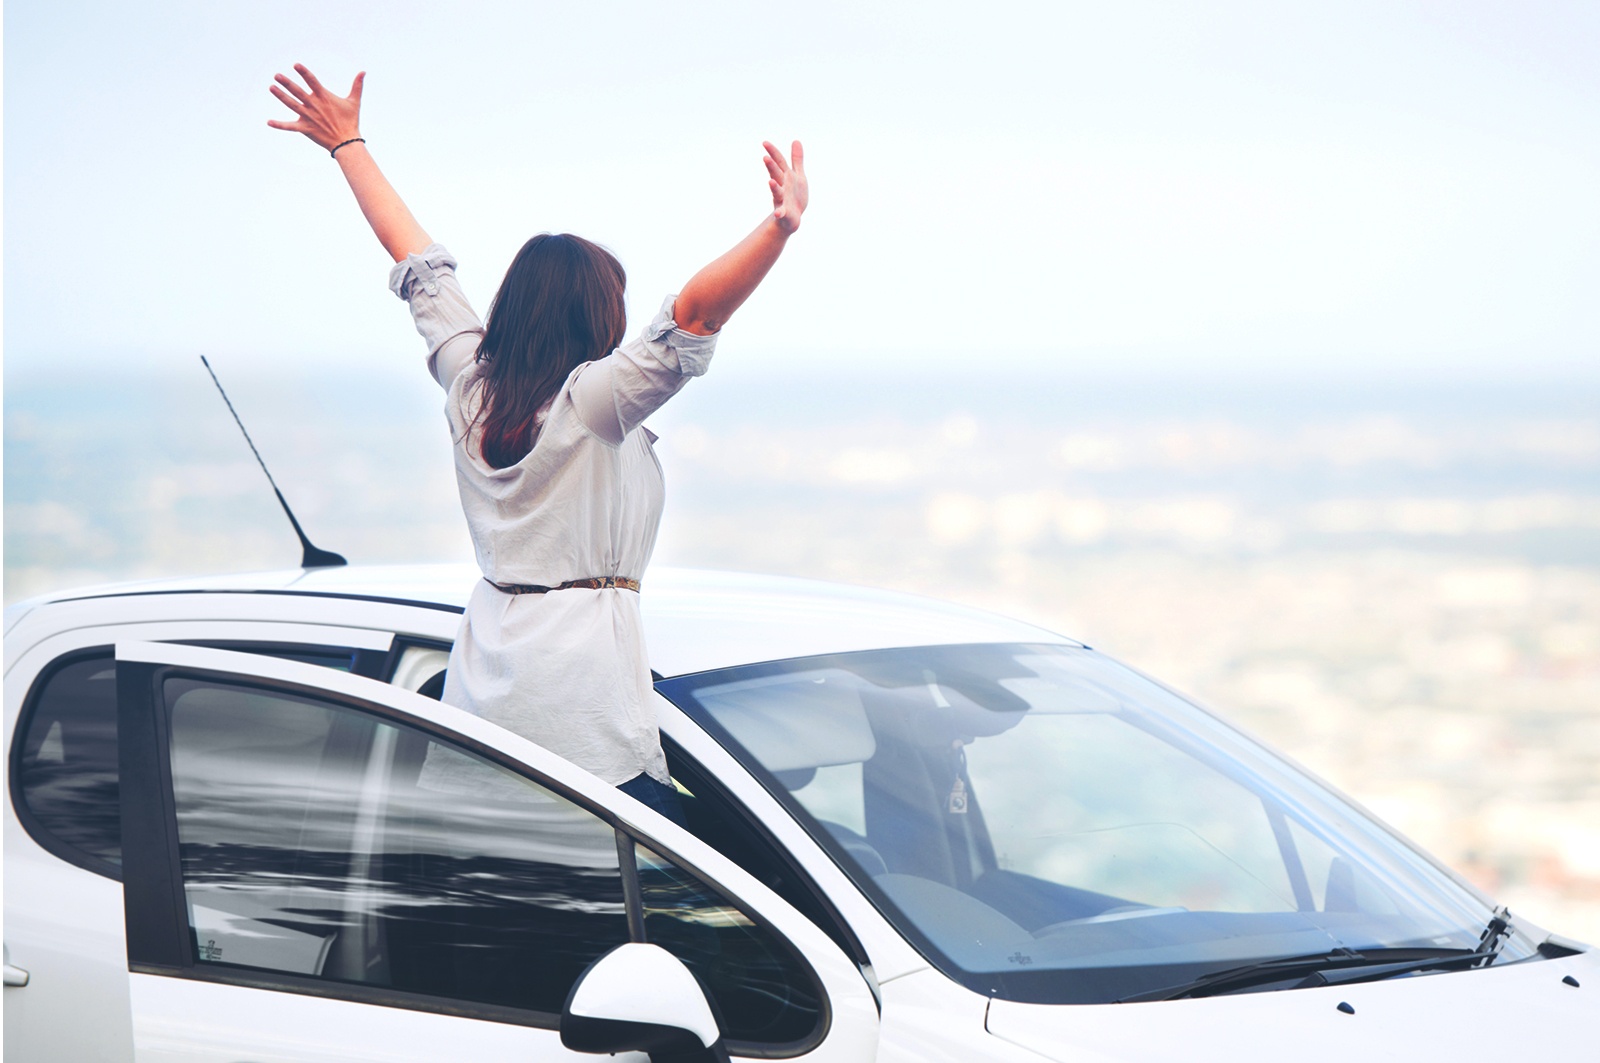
{"points": [[352, 140]]}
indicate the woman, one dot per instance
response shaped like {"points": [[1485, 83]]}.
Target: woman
{"points": [[561, 489]]}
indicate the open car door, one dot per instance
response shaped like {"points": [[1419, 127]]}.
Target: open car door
{"points": [[319, 866]]}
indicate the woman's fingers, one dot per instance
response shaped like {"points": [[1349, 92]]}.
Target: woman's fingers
{"points": [[325, 117], [294, 90], [290, 102], [311, 79], [786, 177]]}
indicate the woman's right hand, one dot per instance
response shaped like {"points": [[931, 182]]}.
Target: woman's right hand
{"points": [[327, 119], [331, 120]]}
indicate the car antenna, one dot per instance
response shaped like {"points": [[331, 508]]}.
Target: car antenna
{"points": [[311, 557]]}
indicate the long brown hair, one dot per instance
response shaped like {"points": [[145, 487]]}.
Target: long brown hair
{"points": [[559, 306]]}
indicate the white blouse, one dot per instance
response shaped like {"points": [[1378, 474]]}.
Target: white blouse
{"points": [[566, 669]]}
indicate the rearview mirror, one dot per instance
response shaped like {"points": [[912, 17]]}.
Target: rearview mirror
{"points": [[641, 998]]}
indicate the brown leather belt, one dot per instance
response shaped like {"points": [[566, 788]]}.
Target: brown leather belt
{"points": [[594, 583]]}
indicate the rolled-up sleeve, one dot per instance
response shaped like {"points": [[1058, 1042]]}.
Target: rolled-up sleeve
{"points": [[444, 318], [615, 394]]}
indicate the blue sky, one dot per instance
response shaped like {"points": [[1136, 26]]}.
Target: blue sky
{"points": [[1302, 189]]}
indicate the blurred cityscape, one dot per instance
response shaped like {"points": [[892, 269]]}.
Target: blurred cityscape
{"points": [[1400, 588]]}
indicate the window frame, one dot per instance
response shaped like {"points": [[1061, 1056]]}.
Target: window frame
{"points": [[724, 803], [397, 650], [158, 934]]}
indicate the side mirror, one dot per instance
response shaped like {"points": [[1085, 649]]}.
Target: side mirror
{"points": [[641, 998]]}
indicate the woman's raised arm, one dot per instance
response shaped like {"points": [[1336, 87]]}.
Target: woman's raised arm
{"points": [[717, 291], [332, 122]]}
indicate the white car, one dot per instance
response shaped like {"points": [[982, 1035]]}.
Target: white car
{"points": [[238, 828]]}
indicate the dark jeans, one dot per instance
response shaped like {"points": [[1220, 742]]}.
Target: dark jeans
{"points": [[661, 798]]}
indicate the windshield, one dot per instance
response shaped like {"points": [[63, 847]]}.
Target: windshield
{"points": [[1049, 826]]}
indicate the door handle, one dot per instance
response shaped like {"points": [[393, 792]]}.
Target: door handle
{"points": [[15, 976]]}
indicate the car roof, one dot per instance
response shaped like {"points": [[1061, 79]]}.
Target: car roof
{"points": [[695, 620]]}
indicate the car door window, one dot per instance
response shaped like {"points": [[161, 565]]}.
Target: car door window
{"points": [[64, 763], [765, 994], [320, 841]]}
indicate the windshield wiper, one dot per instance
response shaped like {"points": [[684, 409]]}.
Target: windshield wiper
{"points": [[1495, 933], [1368, 965]]}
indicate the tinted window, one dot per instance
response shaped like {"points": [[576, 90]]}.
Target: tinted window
{"points": [[339, 658], [67, 763], [323, 842], [763, 992]]}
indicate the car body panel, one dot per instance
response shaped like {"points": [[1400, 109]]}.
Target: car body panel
{"points": [[218, 615], [694, 621], [1506, 1012], [927, 1018], [64, 927], [181, 1021]]}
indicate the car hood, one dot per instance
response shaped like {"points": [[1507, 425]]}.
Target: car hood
{"points": [[1499, 1013]]}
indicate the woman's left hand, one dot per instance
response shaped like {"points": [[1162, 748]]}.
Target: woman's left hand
{"points": [[787, 180], [722, 287], [329, 120]]}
